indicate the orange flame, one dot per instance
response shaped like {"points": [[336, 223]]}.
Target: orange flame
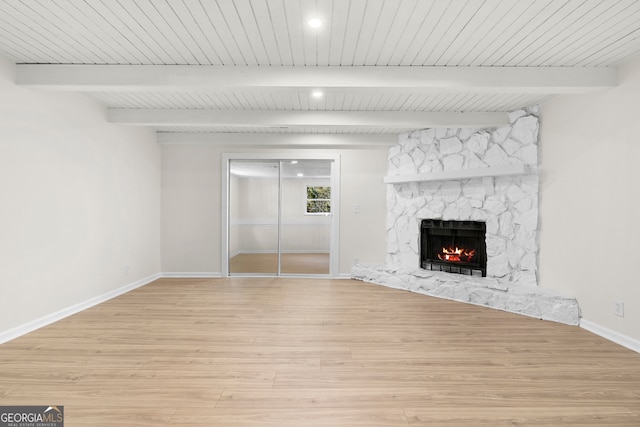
{"points": [[456, 255]]}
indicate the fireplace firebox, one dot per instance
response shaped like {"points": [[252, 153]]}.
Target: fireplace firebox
{"points": [[453, 246]]}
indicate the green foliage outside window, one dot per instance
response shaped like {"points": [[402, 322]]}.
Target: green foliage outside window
{"points": [[318, 199]]}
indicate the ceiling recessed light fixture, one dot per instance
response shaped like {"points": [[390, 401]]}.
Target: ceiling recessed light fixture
{"points": [[317, 94], [293, 162], [300, 174], [315, 23]]}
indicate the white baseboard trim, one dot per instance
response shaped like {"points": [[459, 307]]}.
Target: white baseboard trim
{"points": [[66, 312], [344, 276], [190, 275], [611, 335]]}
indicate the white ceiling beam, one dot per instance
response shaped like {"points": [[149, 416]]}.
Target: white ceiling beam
{"points": [[382, 141], [100, 78], [287, 119]]}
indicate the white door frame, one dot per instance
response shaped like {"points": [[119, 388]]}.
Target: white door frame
{"points": [[334, 244]]}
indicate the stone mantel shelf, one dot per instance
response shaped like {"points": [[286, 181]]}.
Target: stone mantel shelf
{"points": [[492, 171]]}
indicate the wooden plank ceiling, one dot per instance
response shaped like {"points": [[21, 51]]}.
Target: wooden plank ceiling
{"points": [[248, 37]]}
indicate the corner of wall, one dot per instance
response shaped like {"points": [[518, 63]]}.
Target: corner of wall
{"points": [[7, 70]]}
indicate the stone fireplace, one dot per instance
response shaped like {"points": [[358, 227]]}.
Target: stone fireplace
{"points": [[482, 179]]}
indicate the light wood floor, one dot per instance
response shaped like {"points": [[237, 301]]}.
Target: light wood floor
{"points": [[315, 352], [292, 263]]}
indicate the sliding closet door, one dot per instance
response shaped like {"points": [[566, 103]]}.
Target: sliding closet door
{"points": [[305, 227], [280, 217], [253, 217]]}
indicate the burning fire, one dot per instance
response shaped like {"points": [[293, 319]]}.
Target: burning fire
{"points": [[457, 254]]}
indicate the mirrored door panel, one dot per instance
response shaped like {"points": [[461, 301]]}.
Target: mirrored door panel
{"points": [[280, 217], [305, 227], [253, 217]]}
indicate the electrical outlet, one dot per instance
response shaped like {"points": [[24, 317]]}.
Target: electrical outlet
{"points": [[356, 208], [126, 270], [618, 308], [356, 261]]}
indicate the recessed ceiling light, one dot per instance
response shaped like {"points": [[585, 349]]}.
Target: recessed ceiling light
{"points": [[317, 94], [315, 23], [293, 162], [300, 174]]}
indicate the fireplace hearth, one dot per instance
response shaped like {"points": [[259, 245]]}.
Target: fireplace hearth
{"points": [[453, 246]]}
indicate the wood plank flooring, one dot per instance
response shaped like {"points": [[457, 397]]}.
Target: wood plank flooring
{"points": [[315, 352]]}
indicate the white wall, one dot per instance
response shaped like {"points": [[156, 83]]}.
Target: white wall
{"points": [[191, 208], [363, 235], [80, 202], [191, 221], [590, 201]]}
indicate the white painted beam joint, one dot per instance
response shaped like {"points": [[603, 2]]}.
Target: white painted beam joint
{"points": [[271, 118], [536, 80]]}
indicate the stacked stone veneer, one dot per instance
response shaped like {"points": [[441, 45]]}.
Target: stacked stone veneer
{"points": [[508, 205]]}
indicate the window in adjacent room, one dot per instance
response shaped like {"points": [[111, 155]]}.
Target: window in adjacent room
{"points": [[318, 200]]}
